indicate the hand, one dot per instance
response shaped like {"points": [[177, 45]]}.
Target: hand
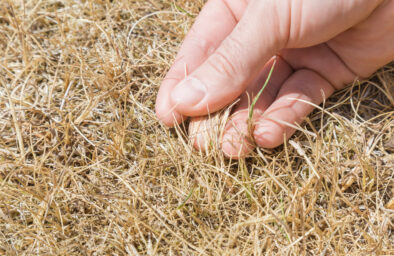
{"points": [[321, 47]]}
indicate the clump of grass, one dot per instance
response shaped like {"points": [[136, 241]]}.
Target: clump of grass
{"points": [[85, 168]]}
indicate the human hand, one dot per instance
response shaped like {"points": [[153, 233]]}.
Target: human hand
{"points": [[322, 46]]}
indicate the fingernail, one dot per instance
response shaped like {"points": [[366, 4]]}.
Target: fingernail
{"points": [[190, 92]]}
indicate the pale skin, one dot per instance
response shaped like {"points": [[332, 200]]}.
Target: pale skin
{"points": [[321, 46]]}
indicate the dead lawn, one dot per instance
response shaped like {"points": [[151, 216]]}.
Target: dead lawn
{"points": [[86, 169]]}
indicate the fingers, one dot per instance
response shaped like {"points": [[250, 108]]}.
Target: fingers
{"points": [[314, 22], [234, 64], [204, 131], [287, 110], [319, 59], [238, 60], [273, 117], [216, 21], [322, 60], [237, 142], [239, 55], [369, 45]]}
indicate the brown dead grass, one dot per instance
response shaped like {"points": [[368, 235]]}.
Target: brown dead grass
{"points": [[86, 169]]}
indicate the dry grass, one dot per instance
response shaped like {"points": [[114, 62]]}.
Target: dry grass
{"points": [[86, 169]]}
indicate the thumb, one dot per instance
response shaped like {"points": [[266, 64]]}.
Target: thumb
{"points": [[236, 62]]}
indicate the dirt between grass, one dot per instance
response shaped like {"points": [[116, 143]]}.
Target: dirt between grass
{"points": [[86, 168]]}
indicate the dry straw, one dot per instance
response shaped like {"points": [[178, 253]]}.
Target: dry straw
{"points": [[86, 169]]}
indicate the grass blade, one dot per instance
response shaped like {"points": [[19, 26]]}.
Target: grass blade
{"points": [[261, 91]]}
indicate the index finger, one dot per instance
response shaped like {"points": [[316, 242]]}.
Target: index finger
{"points": [[215, 22]]}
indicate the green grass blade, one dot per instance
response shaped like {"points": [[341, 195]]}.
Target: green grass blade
{"points": [[186, 199], [183, 10], [261, 91]]}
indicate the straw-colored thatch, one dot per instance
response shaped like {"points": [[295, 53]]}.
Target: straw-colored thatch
{"points": [[86, 168]]}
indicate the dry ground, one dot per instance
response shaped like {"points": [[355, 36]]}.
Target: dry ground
{"points": [[86, 169]]}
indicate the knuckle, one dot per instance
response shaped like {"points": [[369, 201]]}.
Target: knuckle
{"points": [[201, 43], [226, 59], [222, 64]]}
